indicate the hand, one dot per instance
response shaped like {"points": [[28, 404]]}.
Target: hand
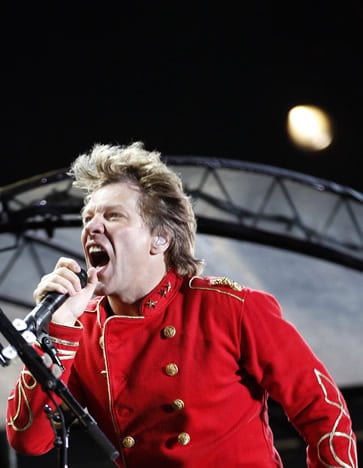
{"points": [[64, 280]]}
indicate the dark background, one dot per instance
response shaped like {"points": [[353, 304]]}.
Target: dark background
{"points": [[186, 78]]}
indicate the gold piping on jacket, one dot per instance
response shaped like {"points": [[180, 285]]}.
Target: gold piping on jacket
{"points": [[106, 373], [21, 386], [64, 342], [334, 398], [65, 354]]}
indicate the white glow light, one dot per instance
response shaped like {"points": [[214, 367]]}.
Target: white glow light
{"points": [[309, 127]]}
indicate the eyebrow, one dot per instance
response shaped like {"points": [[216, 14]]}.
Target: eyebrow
{"points": [[90, 207]]}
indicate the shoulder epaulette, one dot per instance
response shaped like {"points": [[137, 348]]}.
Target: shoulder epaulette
{"points": [[210, 281]]}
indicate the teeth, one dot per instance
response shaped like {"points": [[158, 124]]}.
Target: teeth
{"points": [[95, 248]]}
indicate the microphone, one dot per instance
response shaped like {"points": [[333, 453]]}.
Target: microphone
{"points": [[38, 319]]}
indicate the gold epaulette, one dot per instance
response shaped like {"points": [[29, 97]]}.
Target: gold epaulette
{"points": [[210, 281], [224, 281]]}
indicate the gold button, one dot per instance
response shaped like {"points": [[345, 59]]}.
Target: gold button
{"points": [[178, 404], [169, 331], [171, 369], [128, 442], [183, 438], [101, 342]]}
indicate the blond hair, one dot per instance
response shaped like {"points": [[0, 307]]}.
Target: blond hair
{"points": [[164, 206]]}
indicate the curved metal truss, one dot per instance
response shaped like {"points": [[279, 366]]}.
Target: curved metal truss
{"points": [[237, 199], [277, 207]]}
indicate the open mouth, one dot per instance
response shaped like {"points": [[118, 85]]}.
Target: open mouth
{"points": [[98, 256]]}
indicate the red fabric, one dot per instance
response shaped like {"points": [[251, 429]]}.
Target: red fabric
{"points": [[232, 348]]}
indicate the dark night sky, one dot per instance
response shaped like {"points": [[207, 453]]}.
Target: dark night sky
{"points": [[188, 79]]}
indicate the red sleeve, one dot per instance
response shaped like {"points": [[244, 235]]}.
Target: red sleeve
{"points": [[28, 428], [285, 365]]}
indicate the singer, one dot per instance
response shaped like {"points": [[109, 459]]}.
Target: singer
{"points": [[176, 368]]}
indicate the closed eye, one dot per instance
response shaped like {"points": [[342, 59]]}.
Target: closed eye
{"points": [[114, 215]]}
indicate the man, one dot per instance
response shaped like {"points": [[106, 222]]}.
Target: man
{"points": [[175, 368]]}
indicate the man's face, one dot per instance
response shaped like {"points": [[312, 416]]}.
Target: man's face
{"points": [[115, 238]]}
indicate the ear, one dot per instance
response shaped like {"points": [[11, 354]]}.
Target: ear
{"points": [[160, 244], [160, 240]]}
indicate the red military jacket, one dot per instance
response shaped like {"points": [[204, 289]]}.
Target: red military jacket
{"points": [[186, 384]]}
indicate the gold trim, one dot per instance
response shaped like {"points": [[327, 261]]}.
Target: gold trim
{"points": [[224, 281], [241, 299], [64, 342], [335, 399], [21, 386]]}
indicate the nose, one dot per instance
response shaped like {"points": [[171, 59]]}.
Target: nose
{"points": [[95, 225]]}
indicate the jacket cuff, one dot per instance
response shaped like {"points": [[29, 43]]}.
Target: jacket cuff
{"points": [[65, 339]]}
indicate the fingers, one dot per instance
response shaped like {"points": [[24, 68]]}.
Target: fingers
{"points": [[63, 279]]}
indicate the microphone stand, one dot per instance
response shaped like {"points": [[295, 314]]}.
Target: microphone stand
{"points": [[40, 369]]}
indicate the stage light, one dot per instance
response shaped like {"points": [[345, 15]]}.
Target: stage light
{"points": [[309, 127]]}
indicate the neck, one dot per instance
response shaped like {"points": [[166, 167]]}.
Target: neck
{"points": [[118, 307], [130, 304]]}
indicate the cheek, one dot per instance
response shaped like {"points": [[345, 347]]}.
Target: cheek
{"points": [[137, 243], [83, 236]]}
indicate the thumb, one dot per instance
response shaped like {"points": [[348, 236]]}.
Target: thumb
{"points": [[92, 280]]}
